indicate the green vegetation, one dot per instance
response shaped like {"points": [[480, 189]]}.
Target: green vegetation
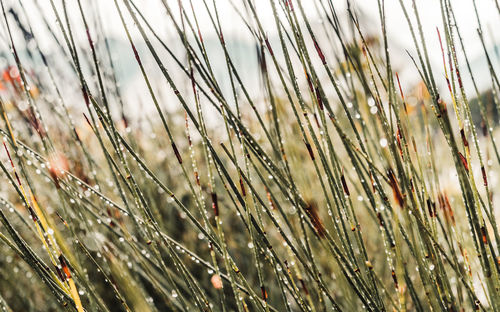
{"points": [[337, 188]]}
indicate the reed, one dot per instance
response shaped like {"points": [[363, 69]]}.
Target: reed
{"points": [[327, 184]]}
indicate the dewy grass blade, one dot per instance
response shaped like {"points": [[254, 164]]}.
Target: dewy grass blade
{"points": [[238, 155]]}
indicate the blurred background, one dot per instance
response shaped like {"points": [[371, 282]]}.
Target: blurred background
{"points": [[241, 44]]}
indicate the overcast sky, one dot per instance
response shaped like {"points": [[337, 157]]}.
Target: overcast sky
{"points": [[398, 31], [429, 10]]}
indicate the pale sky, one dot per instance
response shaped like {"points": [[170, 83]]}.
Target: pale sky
{"points": [[430, 15], [398, 31], [429, 10]]}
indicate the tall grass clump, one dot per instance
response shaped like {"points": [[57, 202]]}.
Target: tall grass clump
{"points": [[156, 164]]}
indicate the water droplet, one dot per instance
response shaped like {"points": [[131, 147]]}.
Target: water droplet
{"points": [[383, 142]]}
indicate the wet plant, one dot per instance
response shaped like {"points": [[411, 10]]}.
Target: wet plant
{"points": [[315, 179]]}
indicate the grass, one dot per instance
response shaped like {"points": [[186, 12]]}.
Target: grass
{"points": [[332, 185]]}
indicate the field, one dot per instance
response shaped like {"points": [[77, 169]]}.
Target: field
{"points": [[167, 164]]}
